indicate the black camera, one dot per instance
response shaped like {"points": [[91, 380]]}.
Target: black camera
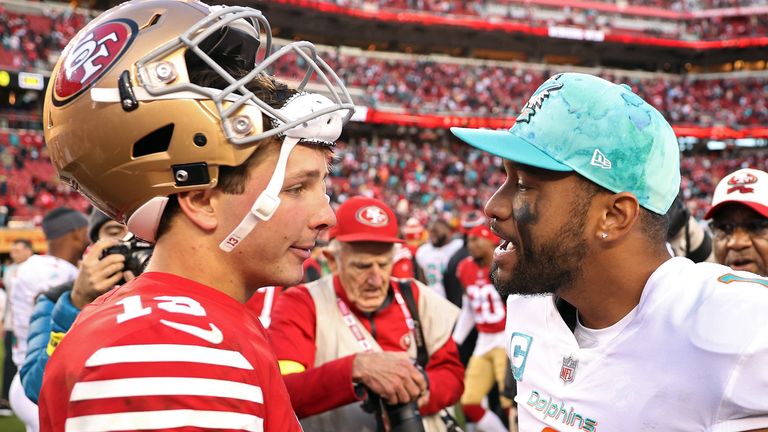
{"points": [[404, 417], [136, 252], [400, 417]]}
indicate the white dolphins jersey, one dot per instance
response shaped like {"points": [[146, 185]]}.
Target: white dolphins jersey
{"points": [[693, 357]]}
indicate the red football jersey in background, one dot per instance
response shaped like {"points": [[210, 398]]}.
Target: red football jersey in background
{"points": [[487, 307]]}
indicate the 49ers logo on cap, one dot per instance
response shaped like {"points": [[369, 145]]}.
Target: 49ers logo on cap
{"points": [[739, 183], [372, 216], [92, 56]]}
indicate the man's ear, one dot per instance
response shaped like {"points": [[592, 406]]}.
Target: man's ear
{"points": [[198, 206], [620, 213]]}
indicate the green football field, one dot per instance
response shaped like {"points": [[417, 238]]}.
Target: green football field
{"points": [[9, 424]]}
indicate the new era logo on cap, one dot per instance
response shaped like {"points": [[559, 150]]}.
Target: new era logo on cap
{"points": [[746, 186], [599, 160]]}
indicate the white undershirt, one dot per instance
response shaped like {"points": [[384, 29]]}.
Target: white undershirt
{"points": [[591, 338]]}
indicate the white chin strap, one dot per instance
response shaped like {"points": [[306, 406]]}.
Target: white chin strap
{"points": [[267, 202], [325, 128]]}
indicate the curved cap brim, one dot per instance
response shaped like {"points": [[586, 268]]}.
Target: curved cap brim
{"points": [[508, 146], [368, 237], [760, 208]]}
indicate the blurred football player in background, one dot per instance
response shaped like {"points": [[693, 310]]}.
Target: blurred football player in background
{"points": [[483, 308]]}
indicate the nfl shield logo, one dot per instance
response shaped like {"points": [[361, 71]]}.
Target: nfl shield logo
{"points": [[568, 369]]}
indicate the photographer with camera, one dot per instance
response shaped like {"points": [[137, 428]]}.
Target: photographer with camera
{"points": [[56, 309], [361, 334], [65, 232]]}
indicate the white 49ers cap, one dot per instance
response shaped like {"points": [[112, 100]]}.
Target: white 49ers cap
{"points": [[746, 186]]}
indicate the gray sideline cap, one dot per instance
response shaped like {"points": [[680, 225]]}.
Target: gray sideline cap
{"points": [[61, 221]]}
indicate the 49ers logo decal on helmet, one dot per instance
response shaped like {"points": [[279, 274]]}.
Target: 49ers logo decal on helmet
{"points": [[372, 216], [92, 57]]}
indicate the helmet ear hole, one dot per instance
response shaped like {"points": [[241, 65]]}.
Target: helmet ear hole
{"points": [[156, 141], [155, 18]]}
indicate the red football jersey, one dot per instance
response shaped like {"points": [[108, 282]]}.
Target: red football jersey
{"points": [[487, 308], [164, 352], [262, 302], [403, 263]]}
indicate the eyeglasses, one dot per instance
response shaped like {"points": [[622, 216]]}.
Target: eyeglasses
{"points": [[754, 228]]}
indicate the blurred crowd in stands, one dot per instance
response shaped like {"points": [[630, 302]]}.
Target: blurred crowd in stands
{"points": [[426, 85], [421, 176], [429, 85], [477, 6], [615, 17], [29, 186], [31, 41]]}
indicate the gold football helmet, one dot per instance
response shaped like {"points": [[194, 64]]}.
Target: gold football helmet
{"points": [[127, 127]]}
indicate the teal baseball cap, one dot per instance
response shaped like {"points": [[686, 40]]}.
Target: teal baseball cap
{"points": [[601, 130]]}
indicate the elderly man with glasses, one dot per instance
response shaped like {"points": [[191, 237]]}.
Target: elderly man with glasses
{"points": [[739, 221]]}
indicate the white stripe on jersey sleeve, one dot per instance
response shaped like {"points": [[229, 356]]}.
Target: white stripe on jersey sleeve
{"points": [[165, 386], [149, 420], [167, 353]]}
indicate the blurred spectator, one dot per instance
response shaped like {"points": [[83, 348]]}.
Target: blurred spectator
{"points": [[66, 231], [453, 289], [739, 221], [484, 309], [21, 250], [57, 308], [433, 256], [368, 335]]}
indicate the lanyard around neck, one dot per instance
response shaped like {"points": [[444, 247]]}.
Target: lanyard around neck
{"points": [[351, 322]]}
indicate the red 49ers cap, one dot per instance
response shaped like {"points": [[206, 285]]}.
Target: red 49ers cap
{"points": [[483, 231], [365, 219]]}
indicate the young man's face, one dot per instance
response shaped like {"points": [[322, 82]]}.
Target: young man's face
{"points": [[273, 253], [741, 238], [540, 216]]}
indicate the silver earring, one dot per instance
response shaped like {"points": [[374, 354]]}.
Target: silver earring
{"points": [[604, 235]]}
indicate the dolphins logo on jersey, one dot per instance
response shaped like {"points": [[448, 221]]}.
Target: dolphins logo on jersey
{"points": [[536, 101]]}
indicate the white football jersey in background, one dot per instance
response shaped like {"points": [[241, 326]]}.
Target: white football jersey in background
{"points": [[433, 261]]}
